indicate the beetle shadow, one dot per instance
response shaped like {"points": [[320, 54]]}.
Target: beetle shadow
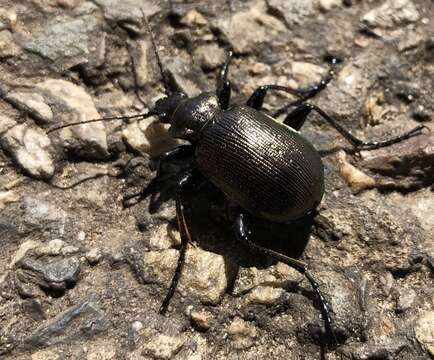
{"points": [[212, 228]]}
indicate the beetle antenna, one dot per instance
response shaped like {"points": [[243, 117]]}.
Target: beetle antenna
{"points": [[157, 55], [143, 116]]}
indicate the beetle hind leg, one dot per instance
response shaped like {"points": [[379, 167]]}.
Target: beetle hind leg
{"points": [[243, 233]]}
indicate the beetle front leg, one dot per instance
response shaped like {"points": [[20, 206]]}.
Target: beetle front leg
{"points": [[177, 153], [224, 85], [298, 116], [243, 233], [186, 181]]}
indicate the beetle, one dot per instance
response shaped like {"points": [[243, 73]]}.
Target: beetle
{"points": [[268, 169]]}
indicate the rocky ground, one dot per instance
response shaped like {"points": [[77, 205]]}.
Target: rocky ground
{"points": [[82, 277]]}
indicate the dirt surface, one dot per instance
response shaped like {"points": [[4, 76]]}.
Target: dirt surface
{"points": [[82, 276]]}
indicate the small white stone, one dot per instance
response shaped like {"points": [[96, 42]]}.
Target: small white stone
{"points": [[34, 102], [31, 149]]}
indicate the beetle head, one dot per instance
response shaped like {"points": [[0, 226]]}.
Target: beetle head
{"points": [[186, 115]]}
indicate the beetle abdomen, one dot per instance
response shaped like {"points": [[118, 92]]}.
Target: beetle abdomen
{"points": [[266, 167]]}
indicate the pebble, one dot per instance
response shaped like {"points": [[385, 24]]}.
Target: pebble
{"points": [[242, 333], [205, 275], [355, 178], [56, 274], [201, 319], [391, 13], [31, 148], [33, 103], [8, 19], [209, 56], [8, 47], [163, 237], [148, 137], [327, 5], [161, 346], [424, 329], [89, 140], [306, 74], [143, 66], [264, 295], [406, 298], [294, 12], [7, 197], [94, 256], [246, 30], [193, 18], [276, 276]]}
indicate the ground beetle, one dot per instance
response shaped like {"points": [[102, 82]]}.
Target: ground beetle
{"points": [[268, 169]]}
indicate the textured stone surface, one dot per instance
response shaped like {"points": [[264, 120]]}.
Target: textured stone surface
{"points": [[30, 147], [83, 272], [208, 273]]}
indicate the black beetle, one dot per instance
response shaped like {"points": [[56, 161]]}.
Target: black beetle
{"points": [[268, 169]]}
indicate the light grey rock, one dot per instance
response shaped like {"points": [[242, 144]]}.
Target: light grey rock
{"points": [[391, 13], [87, 140], [406, 298], [33, 103], [205, 275], [129, 13], [180, 73], [31, 148], [292, 12], [53, 274], [246, 30], [209, 56], [65, 40]]}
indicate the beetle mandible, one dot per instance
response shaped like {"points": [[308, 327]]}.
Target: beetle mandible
{"points": [[267, 168]]}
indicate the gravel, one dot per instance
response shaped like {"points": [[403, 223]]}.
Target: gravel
{"points": [[82, 276]]}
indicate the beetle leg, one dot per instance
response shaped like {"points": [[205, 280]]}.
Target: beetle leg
{"points": [[243, 233], [185, 182], [297, 117], [179, 152], [223, 84], [256, 100]]}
